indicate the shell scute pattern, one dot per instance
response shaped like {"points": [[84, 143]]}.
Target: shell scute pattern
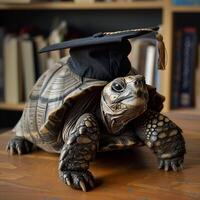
{"points": [[52, 96]]}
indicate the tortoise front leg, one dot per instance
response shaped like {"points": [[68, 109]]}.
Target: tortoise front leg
{"points": [[80, 147], [165, 138]]}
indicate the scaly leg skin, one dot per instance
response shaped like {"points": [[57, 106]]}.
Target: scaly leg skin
{"points": [[164, 138], [80, 147], [19, 145]]}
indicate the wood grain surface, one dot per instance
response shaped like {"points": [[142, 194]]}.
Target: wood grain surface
{"points": [[130, 174]]}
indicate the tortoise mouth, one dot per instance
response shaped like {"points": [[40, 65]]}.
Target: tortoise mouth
{"points": [[139, 94], [129, 115]]}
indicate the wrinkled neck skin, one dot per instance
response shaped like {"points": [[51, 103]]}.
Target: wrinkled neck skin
{"points": [[116, 121]]}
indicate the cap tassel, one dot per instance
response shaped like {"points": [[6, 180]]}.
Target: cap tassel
{"points": [[161, 51]]}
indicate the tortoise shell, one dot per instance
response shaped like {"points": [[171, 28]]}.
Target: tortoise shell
{"points": [[55, 96], [61, 96]]}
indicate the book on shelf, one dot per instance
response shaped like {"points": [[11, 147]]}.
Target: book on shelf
{"points": [[40, 42], [134, 54], [137, 56], [183, 76], [150, 64], [28, 64], [2, 33], [143, 58], [12, 69], [188, 67], [197, 81], [176, 70], [56, 36]]}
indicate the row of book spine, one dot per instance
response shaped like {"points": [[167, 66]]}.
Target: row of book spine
{"points": [[185, 69], [21, 64]]}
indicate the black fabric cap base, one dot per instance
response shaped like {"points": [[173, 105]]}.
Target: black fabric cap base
{"points": [[103, 62]]}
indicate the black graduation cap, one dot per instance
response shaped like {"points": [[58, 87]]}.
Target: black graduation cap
{"points": [[102, 56]]}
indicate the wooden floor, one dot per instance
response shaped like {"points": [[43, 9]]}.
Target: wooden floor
{"points": [[121, 175]]}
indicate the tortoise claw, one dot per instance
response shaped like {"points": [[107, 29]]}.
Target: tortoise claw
{"points": [[174, 164], [18, 145], [161, 164], [82, 180], [82, 185], [167, 166], [174, 167]]}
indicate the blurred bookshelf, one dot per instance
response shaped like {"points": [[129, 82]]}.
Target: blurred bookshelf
{"points": [[124, 15]]}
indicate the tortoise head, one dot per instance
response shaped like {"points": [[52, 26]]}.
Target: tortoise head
{"points": [[123, 100]]}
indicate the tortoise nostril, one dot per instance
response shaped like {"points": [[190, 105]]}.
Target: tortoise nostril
{"points": [[139, 83]]}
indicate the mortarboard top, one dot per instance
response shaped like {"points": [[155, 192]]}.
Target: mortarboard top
{"points": [[100, 38], [103, 56]]}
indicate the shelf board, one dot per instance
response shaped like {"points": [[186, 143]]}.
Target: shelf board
{"points": [[186, 9], [83, 6], [10, 106], [193, 114]]}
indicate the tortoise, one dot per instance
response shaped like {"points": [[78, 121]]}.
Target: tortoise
{"points": [[79, 116]]}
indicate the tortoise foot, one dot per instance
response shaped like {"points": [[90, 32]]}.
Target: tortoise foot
{"points": [[19, 145], [82, 180], [174, 164]]}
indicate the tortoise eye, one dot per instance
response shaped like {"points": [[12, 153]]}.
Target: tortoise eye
{"points": [[118, 85]]}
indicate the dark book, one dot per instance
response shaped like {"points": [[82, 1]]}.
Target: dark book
{"points": [[2, 34], [176, 70], [189, 49], [197, 80]]}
